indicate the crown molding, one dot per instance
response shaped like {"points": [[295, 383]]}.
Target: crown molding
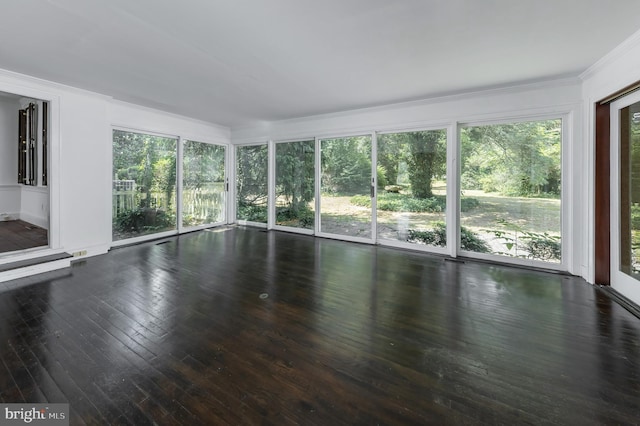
{"points": [[41, 84], [517, 87], [611, 57]]}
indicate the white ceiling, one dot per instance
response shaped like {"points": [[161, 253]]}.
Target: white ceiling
{"points": [[236, 62]]}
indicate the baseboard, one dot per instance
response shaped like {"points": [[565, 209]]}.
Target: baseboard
{"points": [[42, 222], [89, 251], [8, 217]]}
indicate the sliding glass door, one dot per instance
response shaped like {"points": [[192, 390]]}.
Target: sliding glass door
{"points": [[511, 189], [347, 191], [625, 195], [486, 190], [152, 197], [295, 185], [144, 184], [412, 188], [252, 179], [203, 184]]}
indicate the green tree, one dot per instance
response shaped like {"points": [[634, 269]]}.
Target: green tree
{"points": [[519, 159], [390, 155], [423, 152], [427, 159], [251, 181], [203, 163], [148, 160], [346, 165], [295, 175], [164, 177]]}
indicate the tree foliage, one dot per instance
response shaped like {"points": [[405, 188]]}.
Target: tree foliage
{"points": [[427, 159], [518, 159], [295, 175], [346, 165], [437, 236], [202, 164], [424, 154], [251, 182], [148, 160]]}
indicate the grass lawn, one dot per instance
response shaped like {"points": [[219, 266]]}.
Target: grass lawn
{"points": [[511, 215]]}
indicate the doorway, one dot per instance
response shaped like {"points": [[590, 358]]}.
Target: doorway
{"points": [[625, 195], [346, 180], [24, 174]]}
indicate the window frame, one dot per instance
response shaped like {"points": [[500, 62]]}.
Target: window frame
{"points": [[180, 175], [450, 196], [566, 118], [273, 183], [244, 222]]}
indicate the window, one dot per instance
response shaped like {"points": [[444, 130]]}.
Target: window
{"points": [[412, 187], [203, 184], [144, 184], [33, 123], [346, 192], [295, 188], [251, 183], [511, 189]]}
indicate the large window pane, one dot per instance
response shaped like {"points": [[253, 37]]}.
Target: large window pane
{"points": [[144, 184], [345, 186], [630, 190], [412, 187], [295, 205], [252, 180], [203, 184], [511, 178]]}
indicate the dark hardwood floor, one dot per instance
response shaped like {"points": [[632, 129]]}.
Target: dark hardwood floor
{"points": [[177, 333], [20, 235]]}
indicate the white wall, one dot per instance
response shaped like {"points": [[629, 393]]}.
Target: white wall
{"points": [[618, 69], [9, 190], [34, 205], [9, 202], [560, 97], [8, 141], [134, 117], [78, 141], [80, 163]]}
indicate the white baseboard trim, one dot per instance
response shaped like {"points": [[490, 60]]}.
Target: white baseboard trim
{"points": [[42, 222], [6, 217]]}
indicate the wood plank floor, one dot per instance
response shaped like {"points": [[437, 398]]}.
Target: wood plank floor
{"points": [[20, 235], [177, 333]]}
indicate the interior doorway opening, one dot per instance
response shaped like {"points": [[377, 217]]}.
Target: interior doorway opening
{"points": [[24, 174]]}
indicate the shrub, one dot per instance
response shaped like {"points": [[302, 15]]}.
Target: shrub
{"points": [[432, 237], [542, 246], [635, 217], [395, 202], [534, 245], [143, 219], [470, 241], [252, 213], [437, 236], [303, 216]]}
